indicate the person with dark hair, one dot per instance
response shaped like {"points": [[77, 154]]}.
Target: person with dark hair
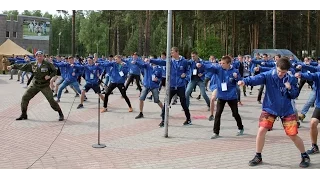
{"points": [[226, 80], [151, 80], [92, 73], [178, 78], [196, 78], [281, 89], [42, 71], [117, 78], [134, 71], [264, 60], [316, 113]]}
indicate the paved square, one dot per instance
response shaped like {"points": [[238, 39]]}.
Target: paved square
{"points": [[136, 143]]}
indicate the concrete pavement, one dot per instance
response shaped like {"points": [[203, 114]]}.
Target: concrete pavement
{"points": [[136, 143]]}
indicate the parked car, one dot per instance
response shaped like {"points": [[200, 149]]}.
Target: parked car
{"points": [[273, 52]]}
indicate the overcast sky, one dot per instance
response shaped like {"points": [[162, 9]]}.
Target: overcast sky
{"points": [[43, 11]]}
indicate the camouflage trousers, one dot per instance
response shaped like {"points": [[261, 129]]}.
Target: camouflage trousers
{"points": [[32, 91]]}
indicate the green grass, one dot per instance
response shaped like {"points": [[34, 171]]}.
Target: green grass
{"points": [[27, 33]]}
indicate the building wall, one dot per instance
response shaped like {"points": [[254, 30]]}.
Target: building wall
{"points": [[17, 26]]}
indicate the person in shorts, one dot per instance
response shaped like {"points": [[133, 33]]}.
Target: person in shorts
{"points": [[151, 82], [315, 77], [281, 88], [92, 73]]}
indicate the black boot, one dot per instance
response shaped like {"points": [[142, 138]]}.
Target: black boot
{"points": [[61, 116], [23, 116]]}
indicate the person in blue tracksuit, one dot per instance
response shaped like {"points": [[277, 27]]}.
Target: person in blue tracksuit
{"points": [[163, 79], [259, 63], [316, 113], [312, 96], [92, 73], [134, 71], [208, 75], [118, 71], [61, 65], [281, 88], [151, 81], [72, 72], [178, 81], [196, 75], [290, 72], [227, 77], [307, 61]]}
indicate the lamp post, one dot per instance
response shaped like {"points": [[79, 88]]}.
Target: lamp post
{"points": [[59, 43]]}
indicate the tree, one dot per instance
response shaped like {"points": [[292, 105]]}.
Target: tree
{"points": [[37, 13], [14, 14], [26, 13]]}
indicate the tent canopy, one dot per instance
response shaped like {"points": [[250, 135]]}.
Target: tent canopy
{"points": [[9, 47]]}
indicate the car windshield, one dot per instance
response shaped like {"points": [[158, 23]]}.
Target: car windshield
{"points": [[273, 52]]}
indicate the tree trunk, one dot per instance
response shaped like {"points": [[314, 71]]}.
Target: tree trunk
{"points": [[233, 32], [194, 29], [300, 34], [115, 41], [204, 28], [239, 42], [73, 43], [257, 35], [308, 34], [109, 34], [118, 40], [251, 37], [266, 31], [181, 36], [274, 30], [290, 37], [227, 33], [147, 34], [221, 32], [140, 41], [197, 24]]}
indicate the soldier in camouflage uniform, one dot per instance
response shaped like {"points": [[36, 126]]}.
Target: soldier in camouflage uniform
{"points": [[43, 71]]}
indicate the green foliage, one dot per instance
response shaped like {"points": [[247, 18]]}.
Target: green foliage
{"points": [[158, 40], [131, 45], [26, 13], [232, 32], [29, 49], [37, 13], [210, 46], [93, 33]]}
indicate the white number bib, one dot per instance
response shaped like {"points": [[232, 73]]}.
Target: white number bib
{"points": [[194, 72], [224, 86]]}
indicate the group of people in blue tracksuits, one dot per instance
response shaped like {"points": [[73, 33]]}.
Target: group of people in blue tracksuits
{"points": [[278, 76]]}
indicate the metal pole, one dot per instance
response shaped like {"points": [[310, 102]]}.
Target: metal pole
{"points": [[274, 29], [99, 145], [168, 69]]}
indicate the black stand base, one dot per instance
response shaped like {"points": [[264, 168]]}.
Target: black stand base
{"points": [[99, 146]]}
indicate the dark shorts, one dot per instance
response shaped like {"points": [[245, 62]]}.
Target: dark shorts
{"points": [[289, 122], [316, 113], [94, 87]]}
